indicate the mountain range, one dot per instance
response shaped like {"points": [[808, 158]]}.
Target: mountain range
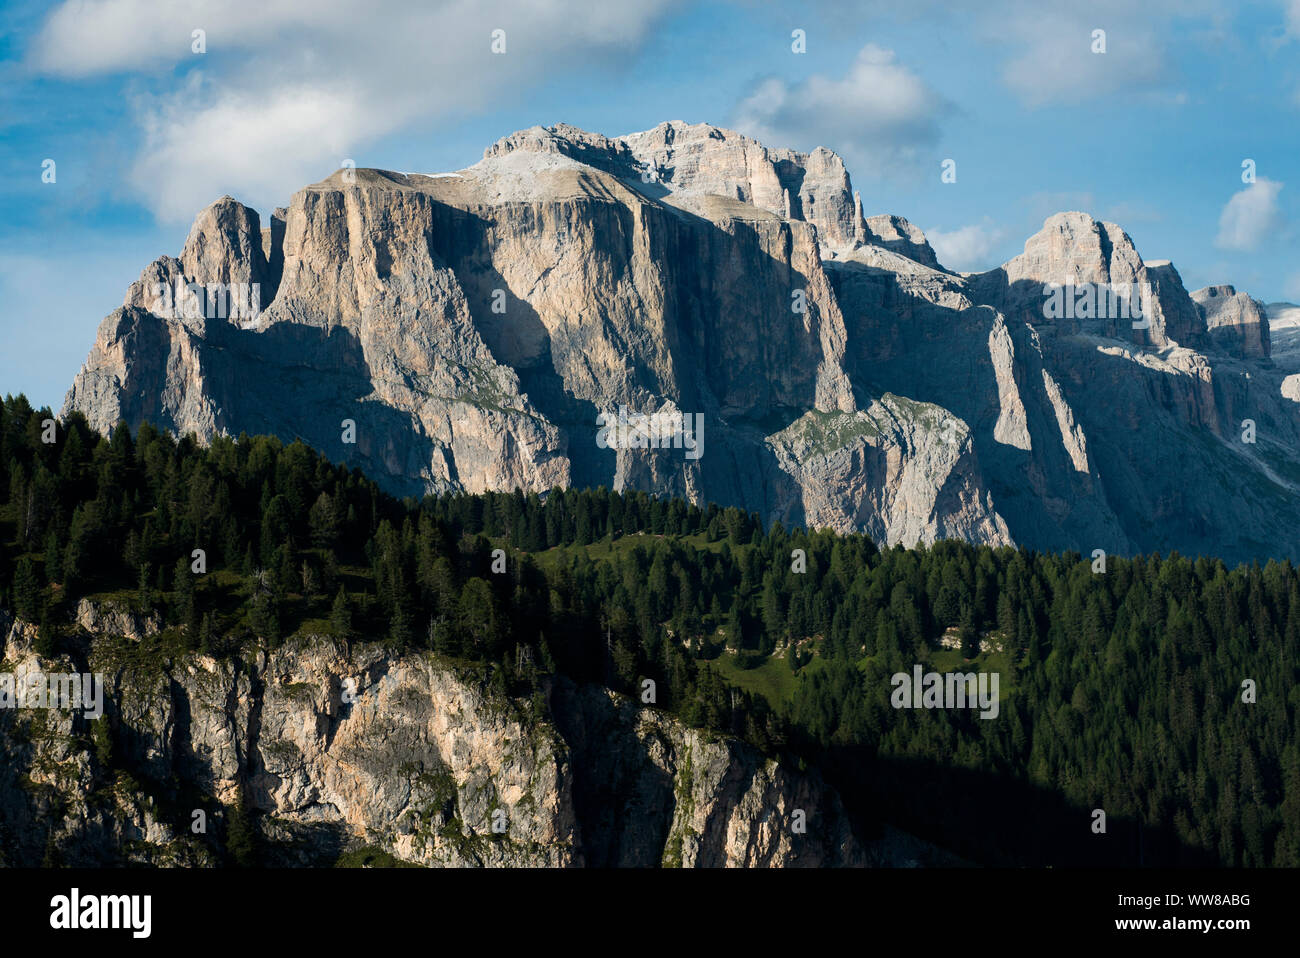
{"points": [[473, 330]]}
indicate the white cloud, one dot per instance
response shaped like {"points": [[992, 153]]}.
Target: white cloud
{"points": [[1044, 47], [879, 115], [1049, 46], [968, 248], [289, 89], [257, 146], [1250, 217], [1053, 59], [91, 37]]}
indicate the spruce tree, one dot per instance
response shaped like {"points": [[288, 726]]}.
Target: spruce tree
{"points": [[341, 615]]}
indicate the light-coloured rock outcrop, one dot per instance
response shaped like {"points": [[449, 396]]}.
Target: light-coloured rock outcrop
{"points": [[698, 800], [1012, 427], [705, 160], [1234, 322], [1090, 258], [897, 234], [111, 619], [901, 471]]}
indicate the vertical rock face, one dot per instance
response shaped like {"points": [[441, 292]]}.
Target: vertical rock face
{"points": [[223, 272], [1012, 427], [225, 246], [695, 800], [1235, 323], [472, 326], [148, 368], [1074, 246], [703, 159], [342, 745], [901, 471], [1084, 255]]}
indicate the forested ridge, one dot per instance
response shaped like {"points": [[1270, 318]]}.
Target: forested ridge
{"points": [[1121, 690]]}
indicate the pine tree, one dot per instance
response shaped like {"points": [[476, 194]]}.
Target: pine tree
{"points": [[53, 556], [264, 616], [341, 616], [207, 635], [241, 836], [186, 610], [144, 594], [399, 626], [46, 644], [27, 590]]}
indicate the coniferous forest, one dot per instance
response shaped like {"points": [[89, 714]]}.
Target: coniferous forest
{"points": [[1162, 689]]}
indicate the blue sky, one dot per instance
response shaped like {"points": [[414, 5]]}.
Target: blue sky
{"points": [[144, 131]]}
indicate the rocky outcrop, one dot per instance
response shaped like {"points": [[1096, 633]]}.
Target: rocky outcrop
{"points": [[901, 471], [700, 800], [1012, 428], [335, 746], [1235, 323], [1284, 346], [704, 160], [464, 331], [113, 619], [223, 272], [897, 234], [1097, 264]]}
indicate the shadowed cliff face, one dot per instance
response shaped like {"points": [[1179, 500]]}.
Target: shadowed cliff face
{"points": [[334, 745], [472, 326]]}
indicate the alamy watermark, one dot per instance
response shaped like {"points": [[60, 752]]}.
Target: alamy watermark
{"points": [[53, 690], [1070, 300], [75, 911], [666, 429], [951, 690], [218, 300]]}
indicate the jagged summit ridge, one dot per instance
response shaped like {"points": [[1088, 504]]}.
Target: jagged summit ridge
{"points": [[702, 160]]}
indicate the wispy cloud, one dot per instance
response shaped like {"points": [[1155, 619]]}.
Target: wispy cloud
{"points": [[1250, 217], [1293, 20], [978, 246], [285, 91], [879, 115], [1053, 53]]}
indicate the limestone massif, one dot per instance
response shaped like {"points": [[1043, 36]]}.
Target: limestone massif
{"points": [[472, 325]]}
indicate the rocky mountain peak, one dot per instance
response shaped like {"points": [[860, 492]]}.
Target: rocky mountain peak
{"points": [[563, 139], [703, 159], [225, 244], [227, 270], [1234, 321], [1073, 246], [1075, 249]]}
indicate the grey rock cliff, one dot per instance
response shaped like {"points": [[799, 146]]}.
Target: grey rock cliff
{"points": [[1234, 322]]}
